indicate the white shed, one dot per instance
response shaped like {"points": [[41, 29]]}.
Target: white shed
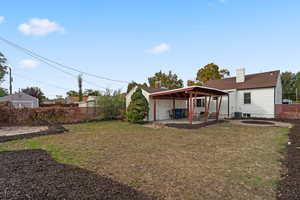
{"points": [[21, 99]]}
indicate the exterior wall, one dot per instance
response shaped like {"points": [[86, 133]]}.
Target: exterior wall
{"points": [[213, 107], [23, 103], [262, 102], [162, 108]]}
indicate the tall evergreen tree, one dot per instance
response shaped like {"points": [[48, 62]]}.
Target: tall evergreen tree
{"points": [[138, 108]]}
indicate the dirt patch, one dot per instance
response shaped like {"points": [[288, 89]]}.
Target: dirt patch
{"points": [[33, 174], [193, 126], [289, 186], [54, 129], [257, 122]]}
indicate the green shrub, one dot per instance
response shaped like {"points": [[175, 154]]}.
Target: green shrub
{"points": [[111, 105], [138, 108]]}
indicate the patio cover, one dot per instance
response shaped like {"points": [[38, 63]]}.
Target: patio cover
{"points": [[189, 93]]}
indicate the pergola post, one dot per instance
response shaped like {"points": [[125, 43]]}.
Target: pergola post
{"points": [[217, 106], [154, 109], [191, 108], [173, 110], [207, 109], [218, 112]]}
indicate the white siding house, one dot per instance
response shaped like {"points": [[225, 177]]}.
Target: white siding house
{"points": [[253, 95]]}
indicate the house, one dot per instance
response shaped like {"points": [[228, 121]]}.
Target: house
{"points": [[21, 99], [87, 101], [252, 95]]}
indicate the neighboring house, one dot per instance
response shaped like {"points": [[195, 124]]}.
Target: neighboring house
{"points": [[87, 101], [54, 101], [252, 95], [20, 100]]}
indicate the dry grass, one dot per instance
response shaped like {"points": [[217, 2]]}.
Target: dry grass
{"points": [[222, 161]]}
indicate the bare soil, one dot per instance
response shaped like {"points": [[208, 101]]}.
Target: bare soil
{"points": [[33, 174], [289, 186]]}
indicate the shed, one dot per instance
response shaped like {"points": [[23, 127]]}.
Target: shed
{"points": [[21, 99]]}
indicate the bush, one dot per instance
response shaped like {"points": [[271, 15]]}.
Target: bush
{"points": [[111, 105], [39, 116], [138, 108]]}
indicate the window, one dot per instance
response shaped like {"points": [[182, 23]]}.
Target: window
{"points": [[200, 102], [247, 98]]}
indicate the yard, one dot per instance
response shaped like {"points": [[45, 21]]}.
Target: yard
{"points": [[222, 161]]}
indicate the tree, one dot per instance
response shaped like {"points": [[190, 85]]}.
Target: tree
{"points": [[80, 88], [289, 81], [3, 72], [210, 72], [138, 108], [111, 104], [169, 80], [72, 93], [193, 83], [3, 67], [3, 92], [35, 92], [90, 92], [132, 84]]}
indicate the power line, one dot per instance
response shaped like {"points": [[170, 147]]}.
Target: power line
{"points": [[44, 83], [55, 67], [31, 53]]}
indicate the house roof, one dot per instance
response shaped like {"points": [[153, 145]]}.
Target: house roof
{"points": [[153, 90], [75, 99], [18, 96], [252, 81], [184, 93]]}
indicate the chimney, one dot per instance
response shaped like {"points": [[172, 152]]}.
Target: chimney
{"points": [[157, 84], [240, 75]]}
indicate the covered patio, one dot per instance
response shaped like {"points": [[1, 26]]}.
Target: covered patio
{"points": [[188, 94]]}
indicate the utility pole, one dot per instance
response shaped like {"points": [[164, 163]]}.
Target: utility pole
{"points": [[10, 81], [296, 94]]}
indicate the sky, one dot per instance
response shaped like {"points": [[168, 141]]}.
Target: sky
{"points": [[133, 39]]}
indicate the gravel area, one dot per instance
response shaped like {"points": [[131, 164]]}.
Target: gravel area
{"points": [[19, 130], [33, 174], [15, 133]]}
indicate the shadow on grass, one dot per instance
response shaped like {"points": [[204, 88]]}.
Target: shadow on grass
{"points": [[33, 174]]}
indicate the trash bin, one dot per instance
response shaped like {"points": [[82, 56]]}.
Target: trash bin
{"points": [[237, 115]]}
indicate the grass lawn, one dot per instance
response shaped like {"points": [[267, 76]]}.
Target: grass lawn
{"points": [[222, 161]]}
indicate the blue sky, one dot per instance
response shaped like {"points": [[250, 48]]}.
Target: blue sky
{"points": [[131, 40]]}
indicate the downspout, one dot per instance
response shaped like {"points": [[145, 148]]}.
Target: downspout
{"points": [[228, 105]]}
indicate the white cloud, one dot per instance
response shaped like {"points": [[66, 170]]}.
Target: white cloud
{"points": [[40, 27], [29, 64], [161, 48], [2, 19]]}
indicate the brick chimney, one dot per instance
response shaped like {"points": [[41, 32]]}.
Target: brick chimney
{"points": [[240, 75], [157, 84]]}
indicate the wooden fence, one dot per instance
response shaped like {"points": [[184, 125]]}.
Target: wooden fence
{"points": [[287, 111]]}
